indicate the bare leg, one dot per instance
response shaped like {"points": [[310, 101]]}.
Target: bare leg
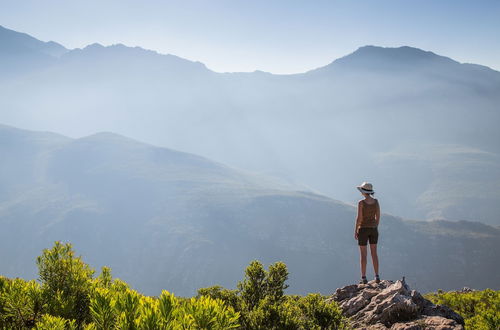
{"points": [[373, 252], [362, 260]]}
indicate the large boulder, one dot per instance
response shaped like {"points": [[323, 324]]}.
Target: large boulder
{"points": [[393, 305]]}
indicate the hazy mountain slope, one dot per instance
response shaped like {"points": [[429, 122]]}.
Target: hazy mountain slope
{"points": [[164, 219], [21, 53], [16, 42], [421, 126]]}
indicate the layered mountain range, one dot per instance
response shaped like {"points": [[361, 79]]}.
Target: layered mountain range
{"points": [[421, 127], [163, 219]]}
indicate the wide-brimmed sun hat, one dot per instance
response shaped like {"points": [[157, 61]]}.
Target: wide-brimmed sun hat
{"points": [[366, 188]]}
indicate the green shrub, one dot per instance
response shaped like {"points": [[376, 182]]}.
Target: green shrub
{"points": [[326, 315], [102, 309], [253, 287], [230, 297], [69, 297], [127, 309], [21, 303], [66, 282], [480, 309], [262, 303], [49, 322], [209, 313]]}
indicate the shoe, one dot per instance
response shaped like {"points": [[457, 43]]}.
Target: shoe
{"points": [[363, 280], [377, 279]]}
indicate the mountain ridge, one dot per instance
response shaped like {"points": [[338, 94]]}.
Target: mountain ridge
{"points": [[415, 52], [121, 50], [24, 41]]}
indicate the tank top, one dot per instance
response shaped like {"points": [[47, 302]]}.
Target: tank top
{"points": [[369, 211]]}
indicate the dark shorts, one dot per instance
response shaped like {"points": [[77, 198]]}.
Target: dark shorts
{"points": [[367, 235]]}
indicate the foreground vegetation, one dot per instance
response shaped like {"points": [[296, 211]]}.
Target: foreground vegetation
{"points": [[68, 296], [480, 309]]}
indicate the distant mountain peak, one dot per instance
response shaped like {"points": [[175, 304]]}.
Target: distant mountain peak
{"points": [[405, 55], [110, 138], [376, 58], [95, 45], [395, 53]]}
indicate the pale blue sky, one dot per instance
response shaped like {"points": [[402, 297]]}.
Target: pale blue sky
{"points": [[270, 35]]}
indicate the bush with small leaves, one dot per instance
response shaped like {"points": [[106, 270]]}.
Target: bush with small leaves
{"points": [[209, 313], [229, 297], [480, 309], [169, 308], [275, 285], [149, 314], [326, 315], [102, 311], [253, 287], [104, 280], [262, 303], [127, 309], [21, 303], [49, 322], [66, 282], [70, 298]]}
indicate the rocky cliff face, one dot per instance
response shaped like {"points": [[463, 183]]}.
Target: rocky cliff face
{"points": [[392, 305]]}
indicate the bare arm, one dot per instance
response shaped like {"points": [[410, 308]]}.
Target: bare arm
{"points": [[377, 214], [358, 217]]}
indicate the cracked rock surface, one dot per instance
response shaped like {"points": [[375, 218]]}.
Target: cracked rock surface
{"points": [[392, 305]]}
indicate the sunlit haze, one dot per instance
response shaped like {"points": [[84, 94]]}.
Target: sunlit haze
{"points": [[236, 158]]}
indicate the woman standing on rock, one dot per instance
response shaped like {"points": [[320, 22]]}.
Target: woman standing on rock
{"points": [[366, 230]]}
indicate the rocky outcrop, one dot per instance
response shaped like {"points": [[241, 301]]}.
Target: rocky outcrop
{"points": [[392, 305]]}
